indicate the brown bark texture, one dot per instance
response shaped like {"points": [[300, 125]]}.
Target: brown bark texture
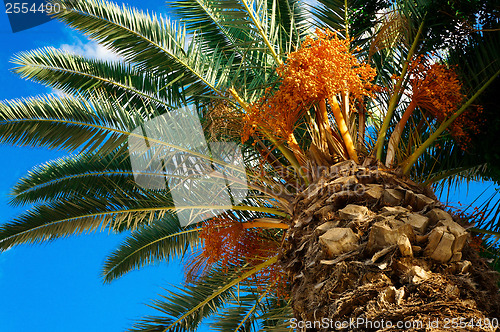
{"points": [[367, 245]]}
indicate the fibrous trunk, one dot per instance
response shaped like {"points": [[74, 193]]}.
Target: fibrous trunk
{"points": [[369, 251]]}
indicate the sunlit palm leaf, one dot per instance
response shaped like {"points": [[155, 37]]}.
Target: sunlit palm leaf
{"points": [[75, 74], [64, 217], [152, 43], [66, 123]]}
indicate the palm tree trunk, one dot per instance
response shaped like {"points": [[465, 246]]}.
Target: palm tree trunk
{"points": [[370, 250]]}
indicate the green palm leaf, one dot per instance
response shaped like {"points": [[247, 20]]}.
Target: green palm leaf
{"points": [[63, 217], [213, 22], [70, 123], [164, 65], [123, 210], [276, 315], [186, 308], [76, 176], [66, 123], [243, 312], [152, 43], [77, 75], [160, 241]]}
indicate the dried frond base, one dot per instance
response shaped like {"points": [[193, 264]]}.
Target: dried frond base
{"points": [[367, 244]]}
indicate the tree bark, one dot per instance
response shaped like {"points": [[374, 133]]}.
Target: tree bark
{"points": [[368, 250]]}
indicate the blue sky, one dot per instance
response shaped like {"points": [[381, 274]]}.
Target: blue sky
{"points": [[56, 287]]}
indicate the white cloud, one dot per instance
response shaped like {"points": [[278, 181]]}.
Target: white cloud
{"points": [[59, 93], [88, 49], [91, 50]]}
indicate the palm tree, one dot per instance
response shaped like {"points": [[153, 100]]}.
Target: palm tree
{"points": [[341, 129]]}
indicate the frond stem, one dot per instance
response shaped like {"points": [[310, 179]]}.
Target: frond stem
{"points": [[396, 135], [126, 133], [254, 306], [262, 33], [264, 224], [102, 79], [446, 174], [137, 34], [164, 208], [396, 95], [344, 131]]}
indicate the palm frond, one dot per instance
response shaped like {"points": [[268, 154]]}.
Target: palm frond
{"points": [[487, 218], [245, 311], [76, 176], [477, 61], [276, 315], [354, 18], [150, 42], [292, 18], [186, 308], [65, 123], [213, 22], [74, 74], [75, 124], [62, 218], [120, 211], [160, 241]]}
